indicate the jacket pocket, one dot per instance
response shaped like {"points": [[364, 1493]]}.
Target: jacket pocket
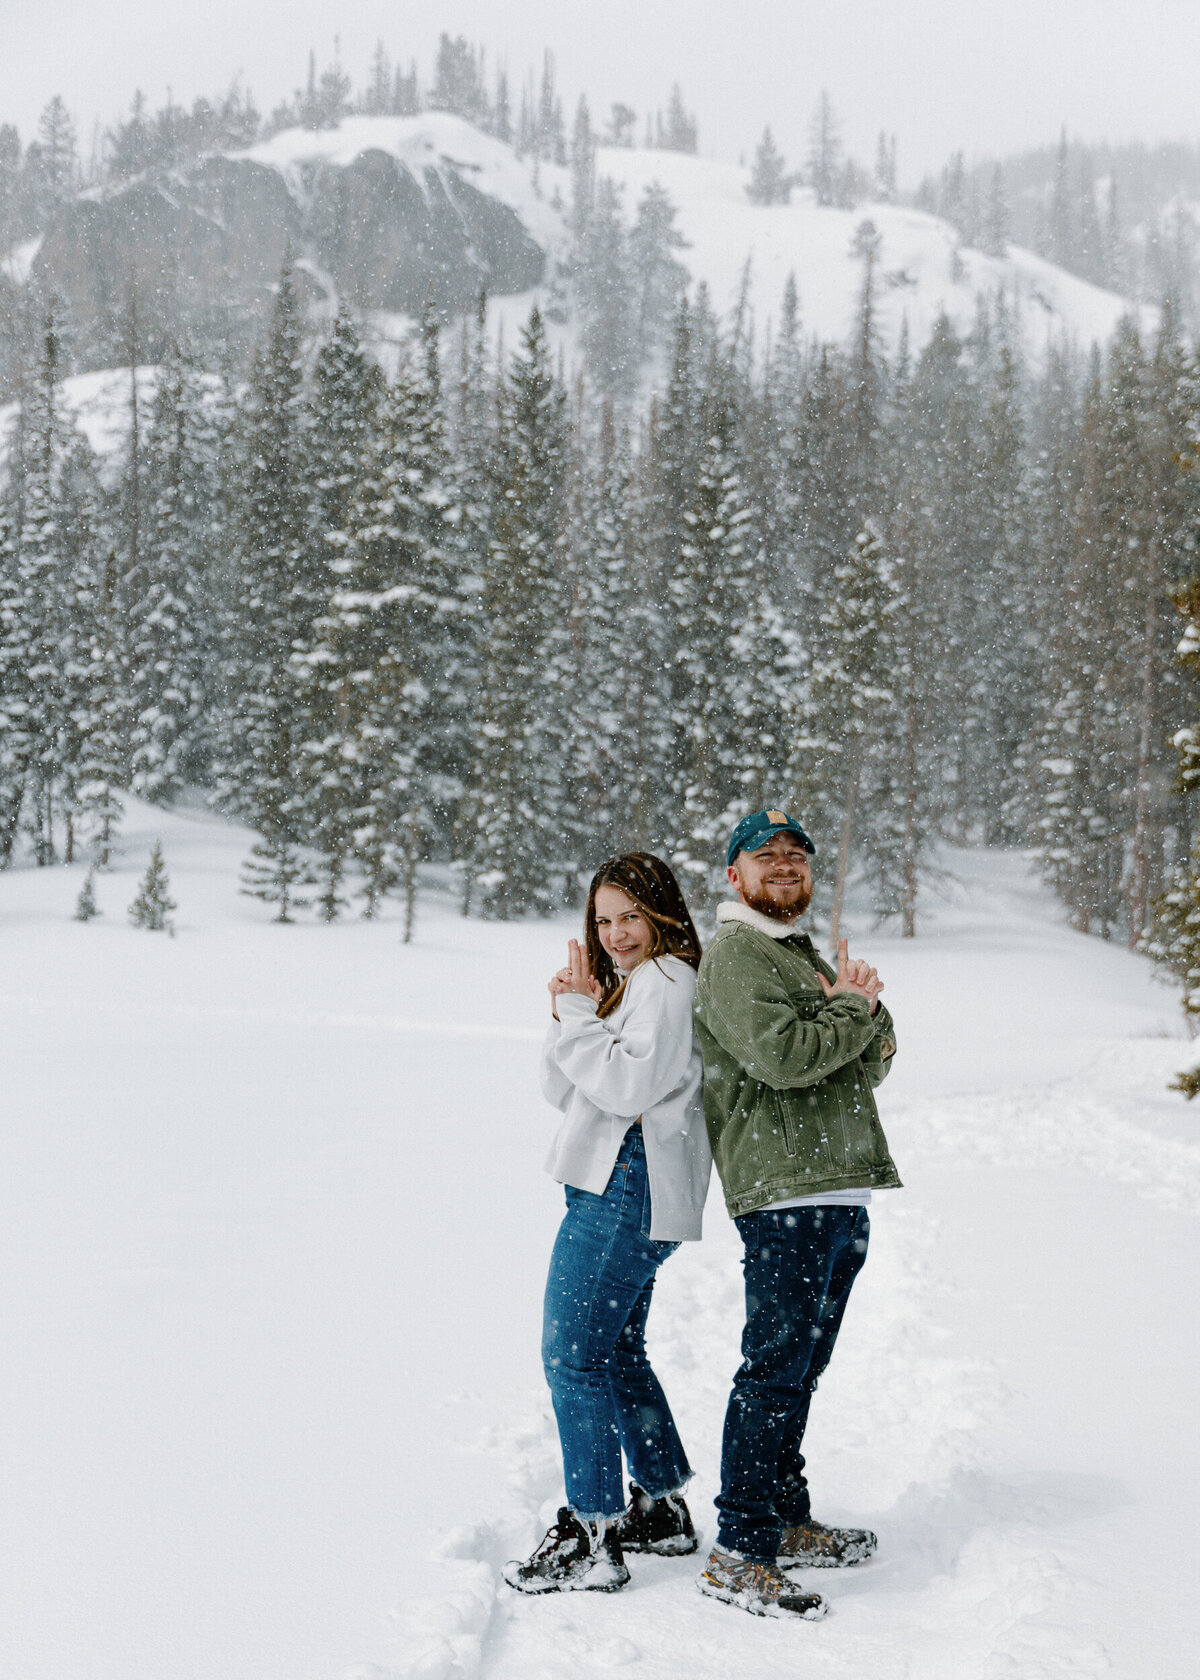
{"points": [[787, 1125]]}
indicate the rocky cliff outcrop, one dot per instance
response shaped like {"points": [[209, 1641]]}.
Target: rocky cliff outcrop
{"points": [[203, 246]]}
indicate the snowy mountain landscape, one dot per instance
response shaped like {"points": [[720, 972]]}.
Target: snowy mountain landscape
{"points": [[275, 1233], [385, 211], [409, 498]]}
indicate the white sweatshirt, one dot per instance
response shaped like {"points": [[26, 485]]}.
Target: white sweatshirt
{"points": [[642, 1060]]}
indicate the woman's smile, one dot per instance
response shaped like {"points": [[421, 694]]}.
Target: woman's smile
{"points": [[624, 932]]}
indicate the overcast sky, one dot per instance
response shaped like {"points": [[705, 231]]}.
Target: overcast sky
{"points": [[941, 74]]}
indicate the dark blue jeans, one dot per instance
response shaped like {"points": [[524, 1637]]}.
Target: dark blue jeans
{"points": [[605, 1395], [800, 1265]]}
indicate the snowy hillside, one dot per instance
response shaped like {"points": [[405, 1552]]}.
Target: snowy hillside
{"points": [[451, 173], [925, 271], [274, 1234]]}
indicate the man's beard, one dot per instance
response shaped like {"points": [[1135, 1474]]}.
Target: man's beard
{"points": [[774, 909]]}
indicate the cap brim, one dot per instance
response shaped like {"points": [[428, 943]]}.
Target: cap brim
{"points": [[765, 834]]}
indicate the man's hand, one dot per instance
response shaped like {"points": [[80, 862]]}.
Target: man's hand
{"points": [[574, 978], [852, 976]]}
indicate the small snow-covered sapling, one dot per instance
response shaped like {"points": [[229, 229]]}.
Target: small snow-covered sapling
{"points": [[85, 905], [153, 905]]}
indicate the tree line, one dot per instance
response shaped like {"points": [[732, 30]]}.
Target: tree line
{"points": [[37, 177], [473, 614]]}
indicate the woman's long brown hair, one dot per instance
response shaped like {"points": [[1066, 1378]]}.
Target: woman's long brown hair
{"points": [[649, 882]]}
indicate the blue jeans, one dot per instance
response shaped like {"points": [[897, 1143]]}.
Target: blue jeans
{"points": [[800, 1265], [605, 1395]]}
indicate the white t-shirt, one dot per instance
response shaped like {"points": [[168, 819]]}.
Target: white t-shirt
{"points": [[831, 1198]]}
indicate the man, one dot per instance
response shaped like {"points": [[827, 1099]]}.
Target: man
{"points": [[792, 1050]]}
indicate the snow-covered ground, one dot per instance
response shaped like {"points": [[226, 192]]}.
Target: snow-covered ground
{"points": [[273, 1234]]}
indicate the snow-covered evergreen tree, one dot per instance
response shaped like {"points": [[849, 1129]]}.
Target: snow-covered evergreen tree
{"points": [[842, 758], [276, 871], [152, 907], [604, 289], [86, 908], [517, 795], [50, 533], [276, 582], [373, 668], [657, 275], [770, 180], [1174, 940], [712, 592], [342, 428], [168, 590]]}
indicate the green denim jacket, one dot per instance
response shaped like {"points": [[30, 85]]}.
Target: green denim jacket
{"points": [[788, 1073]]}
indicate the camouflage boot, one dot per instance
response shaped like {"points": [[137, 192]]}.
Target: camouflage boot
{"points": [[811, 1545], [760, 1588]]}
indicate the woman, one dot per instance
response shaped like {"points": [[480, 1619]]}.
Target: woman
{"points": [[622, 1064]]}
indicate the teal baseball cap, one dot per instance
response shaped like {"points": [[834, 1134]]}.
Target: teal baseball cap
{"points": [[754, 831]]}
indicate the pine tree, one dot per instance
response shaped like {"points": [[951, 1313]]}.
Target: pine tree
{"points": [[1170, 500], [712, 591], [152, 907], [605, 290], [824, 152], [342, 419], [614, 758], [377, 665], [378, 99], [1174, 940], [170, 593], [885, 183], [770, 182], [678, 133], [57, 156], [1077, 753], [458, 80], [86, 908], [101, 716], [276, 584], [902, 811], [583, 175], [658, 278], [845, 739], [517, 788], [51, 522], [274, 872], [997, 219]]}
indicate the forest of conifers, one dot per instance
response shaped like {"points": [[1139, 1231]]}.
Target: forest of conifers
{"points": [[470, 615]]}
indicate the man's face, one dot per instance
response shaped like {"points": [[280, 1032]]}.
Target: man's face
{"points": [[775, 880]]}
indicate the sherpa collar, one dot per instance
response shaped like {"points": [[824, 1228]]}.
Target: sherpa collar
{"points": [[738, 912]]}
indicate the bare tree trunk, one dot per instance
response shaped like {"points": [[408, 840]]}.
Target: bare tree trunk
{"points": [[908, 902], [843, 863], [1139, 882], [409, 882]]}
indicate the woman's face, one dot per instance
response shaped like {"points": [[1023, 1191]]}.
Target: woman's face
{"points": [[624, 932]]}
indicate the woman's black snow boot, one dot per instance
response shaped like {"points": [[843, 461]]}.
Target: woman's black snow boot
{"points": [[576, 1556], [656, 1525]]}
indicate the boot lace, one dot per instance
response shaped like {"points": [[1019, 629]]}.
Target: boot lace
{"points": [[556, 1535]]}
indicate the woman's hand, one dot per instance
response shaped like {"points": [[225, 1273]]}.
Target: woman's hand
{"points": [[574, 978]]}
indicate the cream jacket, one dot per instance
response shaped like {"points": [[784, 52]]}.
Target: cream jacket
{"points": [[641, 1061]]}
